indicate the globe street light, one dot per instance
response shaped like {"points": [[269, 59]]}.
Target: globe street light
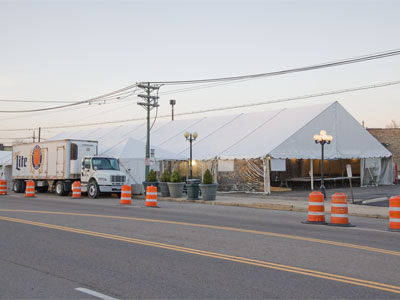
{"points": [[190, 137], [322, 138]]}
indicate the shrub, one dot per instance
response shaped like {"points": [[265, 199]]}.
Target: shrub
{"points": [[165, 177], [175, 177], [151, 176], [207, 178]]}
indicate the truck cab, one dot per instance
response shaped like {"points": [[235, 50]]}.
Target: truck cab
{"points": [[101, 175]]}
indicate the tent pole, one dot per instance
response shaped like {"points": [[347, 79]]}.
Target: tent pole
{"points": [[265, 174], [362, 162], [312, 174], [268, 175]]}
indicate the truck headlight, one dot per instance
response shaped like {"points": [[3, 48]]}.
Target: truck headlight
{"points": [[102, 179]]}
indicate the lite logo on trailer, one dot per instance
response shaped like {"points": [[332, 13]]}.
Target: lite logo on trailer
{"points": [[20, 161], [36, 160]]}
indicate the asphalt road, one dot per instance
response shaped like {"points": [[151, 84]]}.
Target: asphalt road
{"points": [[51, 246]]}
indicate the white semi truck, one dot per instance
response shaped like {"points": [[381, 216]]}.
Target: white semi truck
{"points": [[55, 165]]}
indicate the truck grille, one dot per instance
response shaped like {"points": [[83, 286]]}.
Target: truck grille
{"points": [[117, 179]]}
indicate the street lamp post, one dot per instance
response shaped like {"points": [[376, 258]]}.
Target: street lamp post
{"points": [[190, 137], [322, 138]]}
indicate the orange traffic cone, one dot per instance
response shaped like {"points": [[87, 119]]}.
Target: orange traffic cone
{"points": [[30, 189], [126, 194], [394, 214], [339, 211], [76, 189], [151, 196], [316, 209], [3, 187]]}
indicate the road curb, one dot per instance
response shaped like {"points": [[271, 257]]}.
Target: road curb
{"points": [[268, 206]]}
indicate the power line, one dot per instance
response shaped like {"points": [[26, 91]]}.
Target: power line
{"points": [[302, 69], [106, 97], [290, 98], [118, 101], [342, 91], [215, 80], [33, 101]]}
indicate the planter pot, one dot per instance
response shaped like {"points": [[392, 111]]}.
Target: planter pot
{"points": [[176, 189], [209, 191], [164, 189], [149, 183]]}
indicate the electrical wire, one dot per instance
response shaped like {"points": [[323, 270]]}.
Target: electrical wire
{"points": [[204, 86], [105, 97], [33, 101], [43, 101], [222, 79], [120, 100], [281, 100], [301, 69]]}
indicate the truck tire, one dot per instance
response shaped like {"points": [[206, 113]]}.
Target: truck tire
{"points": [[18, 186], [93, 189], [60, 189]]}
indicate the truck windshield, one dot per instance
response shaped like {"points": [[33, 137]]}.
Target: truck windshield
{"points": [[103, 163]]}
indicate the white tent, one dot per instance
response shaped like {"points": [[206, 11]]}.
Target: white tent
{"points": [[6, 166], [279, 134], [131, 154]]}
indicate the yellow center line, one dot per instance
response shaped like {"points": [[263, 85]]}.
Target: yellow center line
{"points": [[243, 260], [272, 234]]}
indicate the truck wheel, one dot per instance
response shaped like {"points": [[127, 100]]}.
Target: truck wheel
{"points": [[60, 189], [93, 190], [18, 186]]}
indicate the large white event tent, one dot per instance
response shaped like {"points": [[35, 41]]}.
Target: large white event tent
{"points": [[6, 166], [274, 136]]}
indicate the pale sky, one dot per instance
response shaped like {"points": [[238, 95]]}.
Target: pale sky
{"points": [[75, 50]]}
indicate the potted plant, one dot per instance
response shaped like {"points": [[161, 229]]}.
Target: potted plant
{"points": [[175, 185], [165, 178], [208, 188], [151, 179]]}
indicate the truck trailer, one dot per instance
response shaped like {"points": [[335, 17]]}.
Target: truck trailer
{"points": [[55, 165]]}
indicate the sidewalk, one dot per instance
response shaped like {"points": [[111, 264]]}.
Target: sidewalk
{"points": [[285, 202]]}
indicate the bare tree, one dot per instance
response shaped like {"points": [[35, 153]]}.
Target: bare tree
{"points": [[393, 124]]}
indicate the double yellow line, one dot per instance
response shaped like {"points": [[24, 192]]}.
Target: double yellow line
{"points": [[264, 233], [259, 263]]}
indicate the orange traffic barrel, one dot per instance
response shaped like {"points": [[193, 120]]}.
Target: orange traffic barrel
{"points": [[3, 187], [126, 194], [316, 209], [30, 189], [151, 196], [394, 213], [76, 189], [339, 211]]}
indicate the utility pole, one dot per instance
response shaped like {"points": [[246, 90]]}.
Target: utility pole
{"points": [[39, 135], [149, 103]]}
